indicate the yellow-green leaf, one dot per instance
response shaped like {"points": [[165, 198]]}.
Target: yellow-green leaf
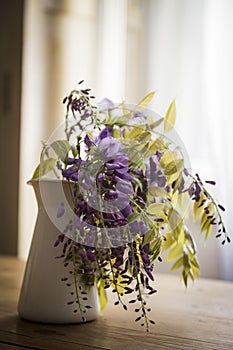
{"points": [[61, 148], [175, 252], [169, 242], [156, 209], [156, 248], [168, 157], [174, 166], [177, 264], [116, 133], [44, 168], [154, 123], [149, 236], [170, 117], [145, 101], [135, 132], [144, 137], [157, 191], [132, 217], [102, 295], [197, 209]]}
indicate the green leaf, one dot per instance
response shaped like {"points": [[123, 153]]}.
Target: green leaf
{"points": [[134, 132], [44, 168], [195, 267], [156, 248], [117, 133], [177, 264], [157, 191], [149, 236], [185, 278], [174, 166], [208, 231], [178, 181], [153, 146], [189, 238], [145, 136], [175, 252], [132, 217], [156, 209], [186, 262], [169, 242], [61, 148], [170, 117], [102, 295], [194, 262], [153, 124], [145, 101]]}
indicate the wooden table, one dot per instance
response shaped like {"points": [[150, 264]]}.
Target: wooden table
{"points": [[201, 318]]}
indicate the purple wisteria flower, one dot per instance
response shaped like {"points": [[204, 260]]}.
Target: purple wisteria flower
{"points": [[125, 192], [109, 147], [106, 132], [106, 104]]}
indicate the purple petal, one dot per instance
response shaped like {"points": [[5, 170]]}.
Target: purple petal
{"points": [[87, 141], [140, 114], [127, 211], [159, 155], [149, 274], [112, 166], [74, 177], [125, 176], [106, 104], [124, 186], [122, 170], [69, 171], [109, 147]]}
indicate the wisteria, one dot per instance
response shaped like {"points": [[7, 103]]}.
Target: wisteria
{"points": [[127, 183]]}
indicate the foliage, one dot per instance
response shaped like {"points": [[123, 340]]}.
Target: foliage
{"points": [[130, 192]]}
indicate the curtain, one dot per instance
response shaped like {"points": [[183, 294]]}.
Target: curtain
{"points": [[190, 55]]}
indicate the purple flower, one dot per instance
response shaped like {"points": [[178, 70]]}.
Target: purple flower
{"points": [[71, 172], [88, 142], [158, 154], [125, 176], [127, 211], [90, 255], [145, 259], [161, 181], [112, 166], [106, 132], [124, 186], [106, 104], [149, 274], [109, 147], [140, 114], [72, 161]]}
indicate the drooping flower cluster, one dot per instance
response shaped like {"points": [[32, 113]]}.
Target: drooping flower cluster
{"points": [[127, 184]]}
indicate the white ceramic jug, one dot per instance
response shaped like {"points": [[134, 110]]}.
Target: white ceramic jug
{"points": [[44, 296]]}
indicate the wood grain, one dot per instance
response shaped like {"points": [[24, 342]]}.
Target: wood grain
{"points": [[198, 319]]}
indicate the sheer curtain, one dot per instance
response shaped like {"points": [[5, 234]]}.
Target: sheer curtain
{"points": [[123, 49], [190, 55]]}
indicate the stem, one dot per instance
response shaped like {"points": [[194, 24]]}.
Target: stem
{"points": [[209, 196], [76, 284], [139, 288]]}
